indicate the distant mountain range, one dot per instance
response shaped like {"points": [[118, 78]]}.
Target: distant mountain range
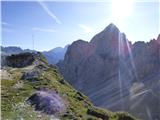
{"points": [[13, 50], [115, 73], [53, 56]]}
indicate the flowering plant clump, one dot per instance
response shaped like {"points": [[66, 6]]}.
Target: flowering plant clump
{"points": [[47, 101]]}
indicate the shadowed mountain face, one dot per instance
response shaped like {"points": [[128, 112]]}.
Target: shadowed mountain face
{"points": [[116, 74]]}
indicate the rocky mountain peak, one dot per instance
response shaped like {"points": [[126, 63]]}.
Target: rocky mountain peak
{"points": [[79, 49], [109, 33], [110, 41], [107, 67], [112, 26]]}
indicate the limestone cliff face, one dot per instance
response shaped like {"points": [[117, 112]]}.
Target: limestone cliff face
{"points": [[146, 57], [109, 67]]}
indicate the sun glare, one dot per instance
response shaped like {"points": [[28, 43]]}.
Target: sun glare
{"points": [[121, 8]]}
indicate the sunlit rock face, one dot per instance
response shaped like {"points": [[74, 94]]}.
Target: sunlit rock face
{"points": [[47, 101], [107, 68]]}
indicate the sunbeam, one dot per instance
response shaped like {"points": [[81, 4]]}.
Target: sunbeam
{"points": [[149, 113], [119, 69], [132, 60]]}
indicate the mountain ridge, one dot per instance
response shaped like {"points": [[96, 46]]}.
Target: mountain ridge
{"points": [[109, 67], [36, 90]]}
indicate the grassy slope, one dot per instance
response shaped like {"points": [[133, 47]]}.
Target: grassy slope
{"points": [[79, 107]]}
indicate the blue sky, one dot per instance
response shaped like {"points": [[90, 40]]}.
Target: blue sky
{"points": [[53, 24]]}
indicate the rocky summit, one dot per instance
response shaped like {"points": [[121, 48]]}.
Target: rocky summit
{"points": [[116, 74], [33, 90]]}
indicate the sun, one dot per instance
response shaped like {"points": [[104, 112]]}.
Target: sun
{"points": [[121, 8]]}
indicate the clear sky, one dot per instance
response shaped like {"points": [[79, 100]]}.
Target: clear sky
{"points": [[52, 24]]}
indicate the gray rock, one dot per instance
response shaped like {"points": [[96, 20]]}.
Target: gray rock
{"points": [[107, 68], [30, 75]]}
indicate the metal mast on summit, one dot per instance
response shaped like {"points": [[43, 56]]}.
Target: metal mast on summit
{"points": [[33, 42]]}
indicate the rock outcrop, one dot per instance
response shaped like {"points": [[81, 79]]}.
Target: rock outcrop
{"points": [[24, 59], [19, 60], [107, 68]]}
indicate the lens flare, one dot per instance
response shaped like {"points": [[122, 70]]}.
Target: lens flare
{"points": [[122, 8]]}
